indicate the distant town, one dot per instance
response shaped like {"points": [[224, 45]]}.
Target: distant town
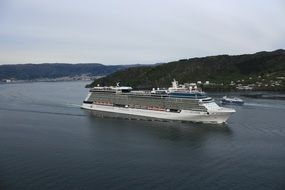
{"points": [[83, 77], [266, 82]]}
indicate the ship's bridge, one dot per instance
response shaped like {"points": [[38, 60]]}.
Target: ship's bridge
{"points": [[191, 95], [123, 89], [118, 89]]}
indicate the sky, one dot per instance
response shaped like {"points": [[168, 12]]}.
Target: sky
{"points": [[136, 31]]}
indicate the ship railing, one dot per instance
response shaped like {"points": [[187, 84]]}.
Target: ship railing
{"points": [[156, 108], [103, 103]]}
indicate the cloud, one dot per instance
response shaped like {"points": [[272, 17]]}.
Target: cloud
{"points": [[130, 32]]}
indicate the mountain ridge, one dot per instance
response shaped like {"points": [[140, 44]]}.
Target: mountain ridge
{"points": [[32, 71], [216, 69]]}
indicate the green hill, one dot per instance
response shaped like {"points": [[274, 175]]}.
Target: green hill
{"points": [[245, 69]]}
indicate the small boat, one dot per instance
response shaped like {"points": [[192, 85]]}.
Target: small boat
{"points": [[233, 100]]}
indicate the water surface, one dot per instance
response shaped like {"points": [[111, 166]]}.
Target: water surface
{"points": [[48, 142]]}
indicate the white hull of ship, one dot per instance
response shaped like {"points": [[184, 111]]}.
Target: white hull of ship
{"points": [[217, 117]]}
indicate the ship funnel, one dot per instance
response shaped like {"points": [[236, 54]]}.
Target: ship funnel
{"points": [[174, 84]]}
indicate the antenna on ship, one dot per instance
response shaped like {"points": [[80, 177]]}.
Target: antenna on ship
{"points": [[118, 84]]}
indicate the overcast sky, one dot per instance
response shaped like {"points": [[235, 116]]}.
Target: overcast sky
{"points": [[136, 31]]}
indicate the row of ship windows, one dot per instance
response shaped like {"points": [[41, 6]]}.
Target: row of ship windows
{"points": [[156, 108]]}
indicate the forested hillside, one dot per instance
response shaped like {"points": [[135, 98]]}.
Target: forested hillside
{"points": [[216, 69]]}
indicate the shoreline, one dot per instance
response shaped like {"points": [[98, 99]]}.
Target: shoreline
{"points": [[265, 96]]}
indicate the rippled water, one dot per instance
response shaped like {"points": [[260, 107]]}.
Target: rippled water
{"points": [[48, 142]]}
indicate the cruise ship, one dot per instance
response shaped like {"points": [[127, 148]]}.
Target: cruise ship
{"points": [[177, 103]]}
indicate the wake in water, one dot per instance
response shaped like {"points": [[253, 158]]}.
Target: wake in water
{"points": [[40, 112], [262, 105], [73, 105]]}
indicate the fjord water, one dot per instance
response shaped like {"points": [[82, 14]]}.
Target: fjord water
{"points": [[48, 142]]}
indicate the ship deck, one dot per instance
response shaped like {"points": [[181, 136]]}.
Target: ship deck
{"points": [[144, 100]]}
